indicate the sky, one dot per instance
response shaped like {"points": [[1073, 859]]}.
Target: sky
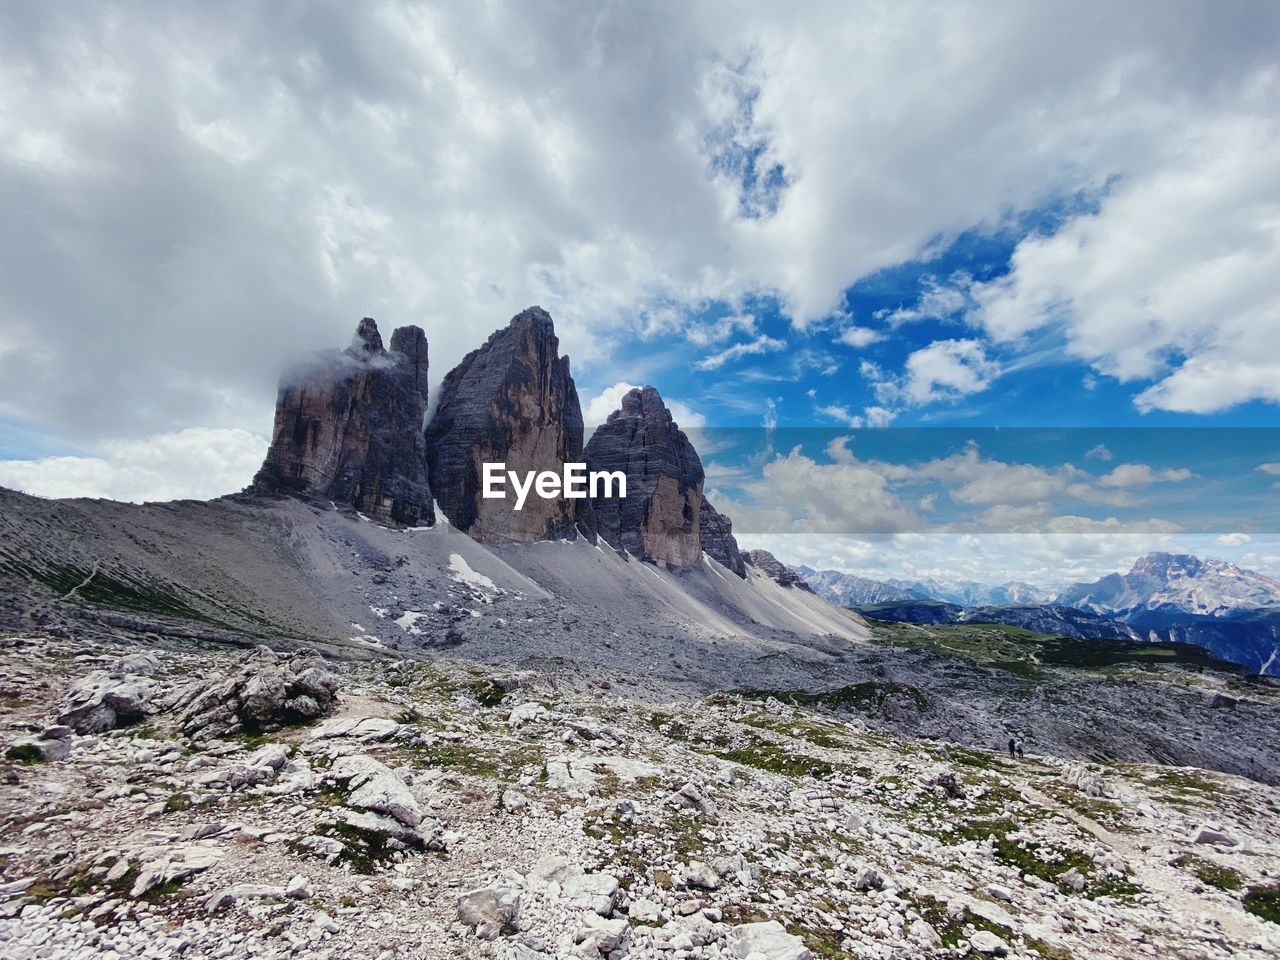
{"points": [[989, 220]]}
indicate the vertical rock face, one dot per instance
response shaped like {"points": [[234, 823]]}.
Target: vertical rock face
{"points": [[511, 401], [662, 515], [718, 542], [348, 428]]}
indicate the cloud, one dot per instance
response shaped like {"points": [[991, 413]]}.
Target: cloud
{"points": [[1176, 277], [704, 334], [938, 301], [1272, 469], [945, 370], [189, 464], [192, 197], [859, 337], [1100, 452], [841, 415], [1232, 540], [1140, 475], [761, 344]]}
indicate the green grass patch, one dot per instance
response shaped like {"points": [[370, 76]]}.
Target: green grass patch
{"points": [[776, 759], [1212, 874], [1263, 902], [24, 753], [867, 697]]}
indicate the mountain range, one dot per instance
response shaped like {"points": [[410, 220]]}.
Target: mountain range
{"points": [[851, 590], [1165, 597], [365, 535]]}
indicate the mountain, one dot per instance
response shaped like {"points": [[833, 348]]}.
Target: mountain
{"points": [[348, 428], [913, 611], [1058, 621], [509, 401], [851, 590], [776, 570], [970, 593], [1176, 582], [1018, 592]]}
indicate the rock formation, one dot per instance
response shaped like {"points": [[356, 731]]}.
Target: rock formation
{"points": [[664, 517], [775, 569], [510, 401], [718, 541], [348, 428]]}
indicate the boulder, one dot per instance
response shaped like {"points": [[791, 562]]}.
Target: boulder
{"points": [[591, 891], [377, 788], [348, 428], [659, 518], [599, 934], [1214, 835], [267, 691], [987, 943], [490, 911], [243, 891], [766, 940], [103, 700], [701, 875], [51, 744], [1089, 782], [510, 401]]}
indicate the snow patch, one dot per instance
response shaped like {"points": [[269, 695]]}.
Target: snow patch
{"points": [[409, 622], [463, 573]]}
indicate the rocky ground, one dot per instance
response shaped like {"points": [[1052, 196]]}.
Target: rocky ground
{"points": [[207, 802]]}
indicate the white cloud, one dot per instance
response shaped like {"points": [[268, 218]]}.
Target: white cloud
{"points": [[859, 337], [938, 301], [1176, 277], [189, 464], [1232, 540], [1100, 452], [606, 401], [403, 160], [1141, 475], [841, 415], [715, 331], [761, 344], [945, 370], [1270, 468]]}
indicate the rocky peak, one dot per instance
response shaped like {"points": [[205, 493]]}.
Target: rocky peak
{"points": [[1166, 566], [511, 401], [367, 337], [775, 569], [348, 428], [664, 517], [718, 541]]}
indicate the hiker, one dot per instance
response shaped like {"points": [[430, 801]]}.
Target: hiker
{"points": [[1018, 747], [1012, 746]]}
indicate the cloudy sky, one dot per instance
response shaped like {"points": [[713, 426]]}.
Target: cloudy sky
{"points": [[855, 216]]}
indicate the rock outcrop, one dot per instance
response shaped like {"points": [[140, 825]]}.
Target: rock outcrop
{"points": [[775, 569], [718, 541], [266, 692], [348, 428], [511, 401], [664, 516]]}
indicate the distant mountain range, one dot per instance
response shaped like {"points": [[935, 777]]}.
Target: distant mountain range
{"points": [[849, 589], [1231, 611]]}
